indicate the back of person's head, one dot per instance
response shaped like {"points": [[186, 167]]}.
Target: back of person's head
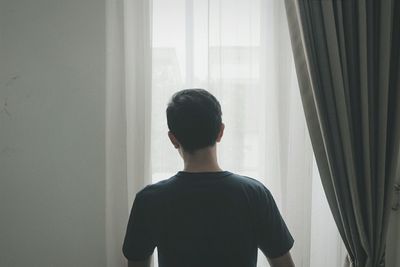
{"points": [[194, 117]]}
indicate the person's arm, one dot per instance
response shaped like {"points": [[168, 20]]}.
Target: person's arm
{"points": [[282, 261], [140, 240], [145, 263], [274, 238]]}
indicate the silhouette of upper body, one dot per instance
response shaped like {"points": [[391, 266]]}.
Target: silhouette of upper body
{"points": [[204, 216]]}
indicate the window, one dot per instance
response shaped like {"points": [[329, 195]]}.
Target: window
{"points": [[240, 51]]}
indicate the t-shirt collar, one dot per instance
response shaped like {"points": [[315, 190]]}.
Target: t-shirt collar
{"points": [[203, 174]]}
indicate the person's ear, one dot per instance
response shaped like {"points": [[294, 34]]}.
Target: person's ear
{"points": [[173, 139], [221, 132]]}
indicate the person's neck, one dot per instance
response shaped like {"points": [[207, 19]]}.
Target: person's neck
{"points": [[204, 168], [202, 161]]}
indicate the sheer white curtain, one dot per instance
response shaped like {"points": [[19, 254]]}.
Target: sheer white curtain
{"points": [[128, 115], [240, 51]]}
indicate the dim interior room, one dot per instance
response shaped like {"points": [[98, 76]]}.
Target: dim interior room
{"points": [[84, 85]]}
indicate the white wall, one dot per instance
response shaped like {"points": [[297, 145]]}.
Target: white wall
{"points": [[52, 140]]}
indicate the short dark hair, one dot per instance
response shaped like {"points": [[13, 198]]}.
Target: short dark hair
{"points": [[194, 117]]}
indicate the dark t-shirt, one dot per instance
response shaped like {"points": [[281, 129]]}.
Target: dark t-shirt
{"points": [[206, 219]]}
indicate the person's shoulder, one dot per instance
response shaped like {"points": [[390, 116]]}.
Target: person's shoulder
{"points": [[249, 182], [244, 179], [155, 189]]}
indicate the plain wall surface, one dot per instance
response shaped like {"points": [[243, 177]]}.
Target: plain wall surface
{"points": [[52, 140]]}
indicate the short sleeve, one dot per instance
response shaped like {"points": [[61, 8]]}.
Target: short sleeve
{"points": [[139, 242], [274, 238]]}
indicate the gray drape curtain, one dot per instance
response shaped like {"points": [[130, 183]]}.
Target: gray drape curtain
{"points": [[347, 62]]}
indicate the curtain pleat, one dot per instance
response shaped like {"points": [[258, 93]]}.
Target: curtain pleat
{"points": [[128, 120], [346, 55]]}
